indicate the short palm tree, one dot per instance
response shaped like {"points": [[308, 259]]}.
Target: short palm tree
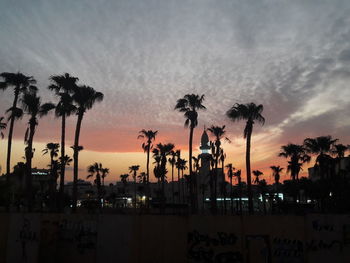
{"points": [[20, 84], [251, 113], [163, 150], [94, 170], [189, 105], [237, 174], [257, 174], [104, 174], [63, 86], [298, 156], [32, 106], [276, 170], [230, 174], [133, 170], [85, 98], [172, 161]]}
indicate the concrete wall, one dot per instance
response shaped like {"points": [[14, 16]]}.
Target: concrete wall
{"points": [[124, 238]]}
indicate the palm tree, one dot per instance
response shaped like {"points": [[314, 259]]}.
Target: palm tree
{"points": [[33, 107], [20, 84], [177, 164], [85, 97], [163, 150], [223, 187], [257, 173], [230, 171], [251, 113], [52, 149], [94, 170], [172, 161], [104, 173], [218, 132], [133, 170], [239, 179], [298, 156], [276, 170], [189, 105], [181, 166], [150, 136], [262, 189], [63, 86]]}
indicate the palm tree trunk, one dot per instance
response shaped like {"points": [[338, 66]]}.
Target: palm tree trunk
{"points": [[224, 186], [178, 185], [240, 196], [63, 136], [215, 184], [75, 159], [135, 190], [29, 157], [9, 142], [172, 182], [249, 179]]}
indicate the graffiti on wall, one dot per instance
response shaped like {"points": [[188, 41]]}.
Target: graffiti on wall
{"points": [[213, 248]]}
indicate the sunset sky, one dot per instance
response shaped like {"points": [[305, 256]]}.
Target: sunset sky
{"points": [[291, 56]]}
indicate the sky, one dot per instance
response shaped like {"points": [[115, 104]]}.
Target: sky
{"points": [[291, 56]]}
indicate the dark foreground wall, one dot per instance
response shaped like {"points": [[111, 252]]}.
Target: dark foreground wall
{"points": [[119, 238]]}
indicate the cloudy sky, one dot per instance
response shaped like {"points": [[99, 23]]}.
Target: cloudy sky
{"points": [[291, 56]]}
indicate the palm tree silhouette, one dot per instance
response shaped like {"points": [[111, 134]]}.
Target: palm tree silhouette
{"points": [[189, 105], [104, 174], [218, 132], [52, 149], [177, 164], [85, 97], [339, 150], [276, 170], [63, 86], [94, 170], [172, 161], [181, 166], [133, 170], [223, 187], [251, 113], [257, 173], [237, 174], [163, 151], [32, 106], [20, 84], [298, 156], [230, 174]]}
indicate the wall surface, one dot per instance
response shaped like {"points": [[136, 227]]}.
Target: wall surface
{"points": [[52, 238]]}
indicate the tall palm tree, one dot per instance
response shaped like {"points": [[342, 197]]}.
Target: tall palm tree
{"points": [[257, 174], [218, 132], [147, 146], [20, 84], [276, 170], [230, 174], [298, 156], [189, 105], [133, 170], [84, 97], [177, 164], [63, 86], [32, 106], [251, 113]]}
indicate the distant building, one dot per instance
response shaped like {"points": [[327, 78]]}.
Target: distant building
{"points": [[342, 167]]}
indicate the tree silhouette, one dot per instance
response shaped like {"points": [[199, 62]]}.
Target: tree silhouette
{"points": [[189, 105], [257, 174], [133, 170], [172, 161], [218, 132], [84, 97], [339, 150], [237, 174], [276, 170], [63, 86], [94, 170], [230, 174], [250, 113], [20, 84], [32, 107]]}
